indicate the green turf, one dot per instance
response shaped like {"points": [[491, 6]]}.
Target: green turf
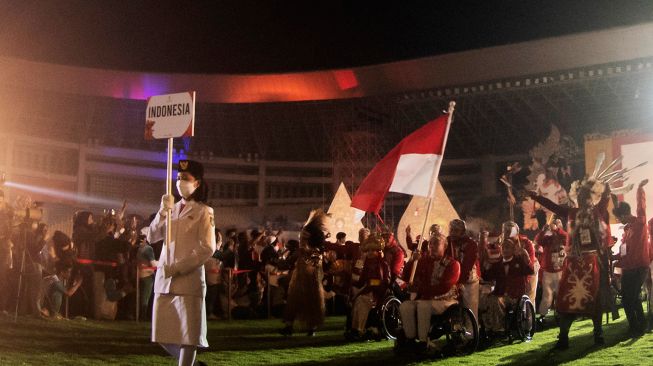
{"points": [[255, 342]]}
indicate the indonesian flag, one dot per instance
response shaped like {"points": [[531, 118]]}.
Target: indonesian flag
{"points": [[411, 167]]}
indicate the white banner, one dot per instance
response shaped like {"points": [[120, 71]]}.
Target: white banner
{"points": [[170, 115]]}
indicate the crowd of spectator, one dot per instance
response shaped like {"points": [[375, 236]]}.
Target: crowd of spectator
{"points": [[105, 270]]}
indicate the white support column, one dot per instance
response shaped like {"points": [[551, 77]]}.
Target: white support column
{"points": [[81, 170], [261, 183]]}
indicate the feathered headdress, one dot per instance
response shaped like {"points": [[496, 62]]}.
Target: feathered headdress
{"points": [[314, 231], [594, 185], [374, 242]]}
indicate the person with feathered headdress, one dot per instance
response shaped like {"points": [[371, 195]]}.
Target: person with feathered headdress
{"points": [[305, 293], [584, 286]]}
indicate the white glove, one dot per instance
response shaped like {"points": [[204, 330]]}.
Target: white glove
{"points": [[167, 203]]}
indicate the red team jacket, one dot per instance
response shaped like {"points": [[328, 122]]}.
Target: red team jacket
{"points": [[430, 284], [465, 251], [636, 237], [394, 256], [552, 245], [511, 277]]}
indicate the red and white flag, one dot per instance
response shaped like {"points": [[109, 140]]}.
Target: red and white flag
{"points": [[411, 167]]}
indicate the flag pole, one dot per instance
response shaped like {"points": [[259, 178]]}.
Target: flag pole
{"points": [[434, 183], [169, 193]]}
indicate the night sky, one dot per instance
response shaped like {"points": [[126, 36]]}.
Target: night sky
{"points": [[278, 36]]}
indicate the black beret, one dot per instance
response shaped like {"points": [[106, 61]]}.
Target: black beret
{"points": [[192, 167]]}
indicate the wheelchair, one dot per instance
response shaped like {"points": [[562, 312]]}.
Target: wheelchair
{"points": [[519, 321], [384, 317], [459, 327], [390, 319]]}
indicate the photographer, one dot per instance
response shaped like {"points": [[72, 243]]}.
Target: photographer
{"points": [[110, 276], [85, 234], [33, 269], [56, 290]]}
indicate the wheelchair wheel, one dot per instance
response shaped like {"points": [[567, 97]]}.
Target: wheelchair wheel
{"points": [[462, 333], [390, 318], [525, 319]]}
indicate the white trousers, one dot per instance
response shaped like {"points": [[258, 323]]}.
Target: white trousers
{"points": [[416, 316], [550, 283], [531, 288], [360, 311], [470, 292]]}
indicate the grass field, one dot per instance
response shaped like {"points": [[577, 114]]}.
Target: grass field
{"points": [[255, 342]]}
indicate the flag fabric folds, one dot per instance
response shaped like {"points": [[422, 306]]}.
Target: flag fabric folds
{"points": [[411, 167]]}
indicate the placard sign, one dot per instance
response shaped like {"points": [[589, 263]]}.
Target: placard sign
{"points": [[170, 115]]}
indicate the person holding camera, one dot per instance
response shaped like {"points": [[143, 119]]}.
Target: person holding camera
{"points": [[179, 312], [56, 289]]}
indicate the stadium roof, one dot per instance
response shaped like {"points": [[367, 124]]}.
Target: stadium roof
{"points": [[539, 58], [253, 37]]}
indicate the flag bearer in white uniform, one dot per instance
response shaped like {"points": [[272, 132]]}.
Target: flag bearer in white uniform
{"points": [[179, 315]]}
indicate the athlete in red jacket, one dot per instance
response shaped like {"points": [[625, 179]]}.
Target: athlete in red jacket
{"points": [[435, 285], [634, 260]]}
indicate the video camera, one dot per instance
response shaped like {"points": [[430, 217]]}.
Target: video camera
{"points": [[24, 210], [29, 214]]}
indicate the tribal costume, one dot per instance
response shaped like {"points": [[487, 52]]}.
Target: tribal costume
{"points": [[584, 286], [373, 282], [305, 292]]}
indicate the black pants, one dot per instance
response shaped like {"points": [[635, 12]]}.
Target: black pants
{"points": [[566, 319], [631, 287], [211, 297]]}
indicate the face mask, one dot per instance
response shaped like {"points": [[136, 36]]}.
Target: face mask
{"points": [[185, 188]]}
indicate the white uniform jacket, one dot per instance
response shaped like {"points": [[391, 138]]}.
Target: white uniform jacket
{"points": [[191, 245]]}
